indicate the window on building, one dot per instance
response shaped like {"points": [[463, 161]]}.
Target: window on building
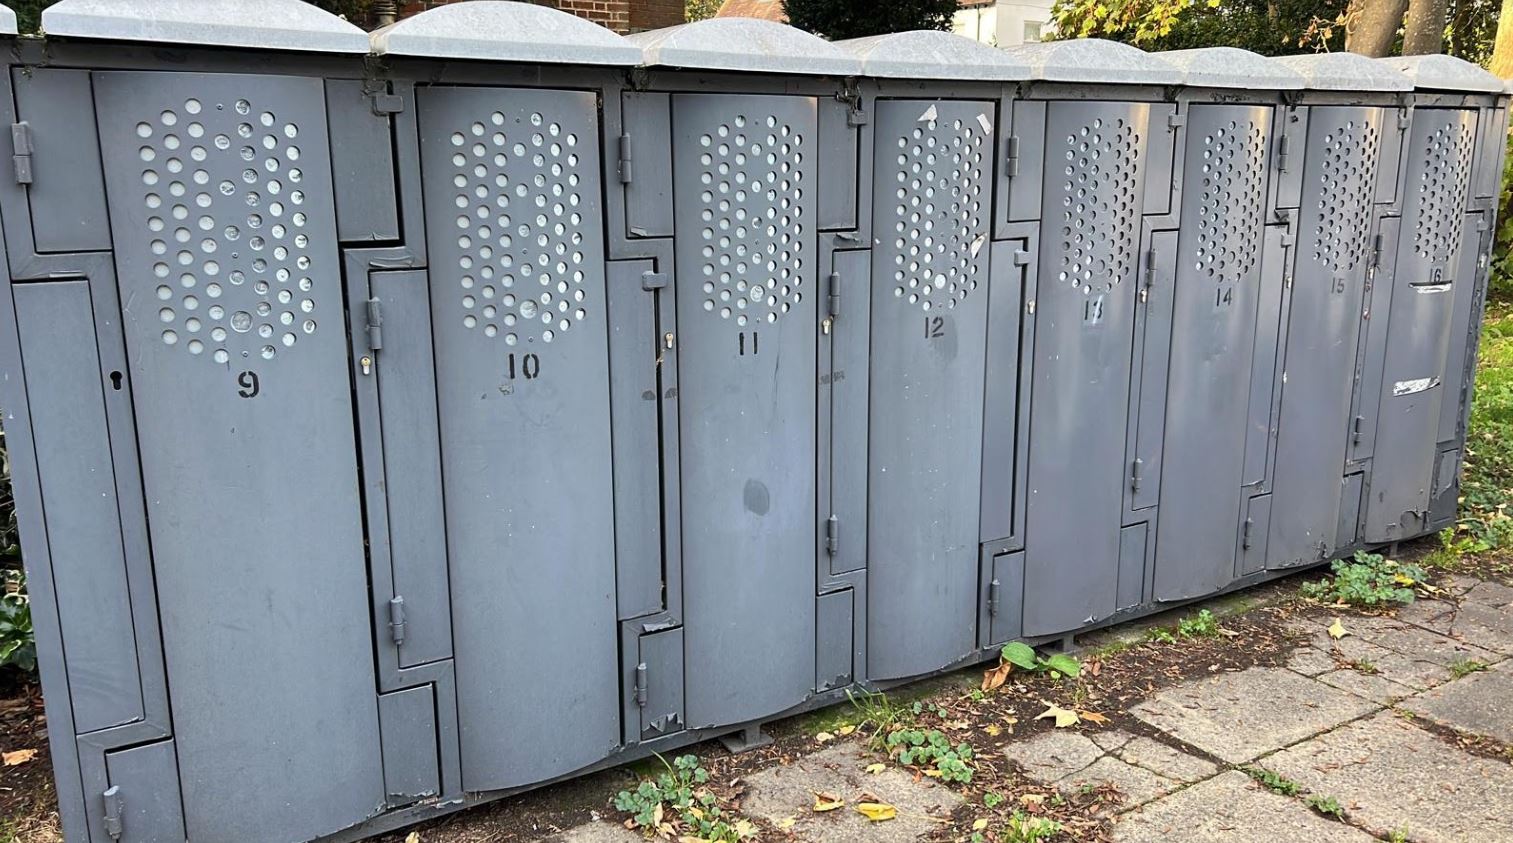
{"points": [[1032, 31]]}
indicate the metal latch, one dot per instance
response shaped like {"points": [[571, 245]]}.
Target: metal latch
{"points": [[833, 534], [385, 104], [1011, 165], [397, 620], [641, 684], [1175, 120], [115, 808], [21, 151], [653, 280], [625, 171]]}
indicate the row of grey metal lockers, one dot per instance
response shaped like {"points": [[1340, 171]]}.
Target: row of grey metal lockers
{"points": [[401, 422]]}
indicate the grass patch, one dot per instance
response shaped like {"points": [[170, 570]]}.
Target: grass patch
{"points": [[1273, 782], [1326, 806], [1466, 667]]}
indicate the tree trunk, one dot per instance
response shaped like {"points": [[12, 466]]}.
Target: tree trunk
{"points": [[1502, 54], [1425, 30], [1373, 26]]}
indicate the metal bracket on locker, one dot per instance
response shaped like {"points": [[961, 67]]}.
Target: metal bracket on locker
{"points": [[759, 141], [941, 291], [1094, 140], [1211, 371]]}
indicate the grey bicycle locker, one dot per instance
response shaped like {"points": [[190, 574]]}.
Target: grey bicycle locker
{"points": [[933, 148], [746, 200], [1344, 144], [1222, 276], [1097, 156], [1441, 220]]}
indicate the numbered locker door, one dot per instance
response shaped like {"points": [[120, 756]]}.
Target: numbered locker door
{"points": [[1440, 150], [931, 193], [515, 234], [1095, 161], [225, 239], [744, 209], [1218, 281], [1334, 232]]}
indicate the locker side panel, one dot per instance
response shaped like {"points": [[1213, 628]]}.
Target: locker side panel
{"points": [[929, 331], [146, 784], [1276, 270], [412, 768], [849, 407], [633, 347], [648, 195], [362, 160], [746, 302], [1002, 436], [226, 255], [67, 193]]}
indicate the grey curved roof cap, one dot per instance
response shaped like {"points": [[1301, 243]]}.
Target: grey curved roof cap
{"points": [[744, 44], [505, 31], [1095, 60], [7, 20], [1231, 67], [1444, 73], [929, 54], [1345, 72], [264, 24]]}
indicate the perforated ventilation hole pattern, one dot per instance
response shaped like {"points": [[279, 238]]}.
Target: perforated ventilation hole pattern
{"points": [[751, 205], [1229, 216], [519, 227], [1100, 205], [1345, 188], [1443, 182], [939, 210], [233, 277]]}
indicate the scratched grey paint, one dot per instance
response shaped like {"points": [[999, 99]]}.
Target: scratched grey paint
{"points": [[514, 231], [248, 456], [745, 212], [1334, 226], [932, 200], [1080, 394], [1440, 149], [1218, 281]]}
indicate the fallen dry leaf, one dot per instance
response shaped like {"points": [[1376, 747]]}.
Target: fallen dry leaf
{"points": [[1092, 717], [1337, 630], [997, 676], [786, 823], [827, 802], [876, 811], [980, 823], [1062, 716], [993, 729], [874, 769], [824, 737], [412, 837], [20, 756], [845, 730]]}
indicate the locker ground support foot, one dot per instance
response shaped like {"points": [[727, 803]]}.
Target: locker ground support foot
{"points": [[749, 738], [1065, 644]]}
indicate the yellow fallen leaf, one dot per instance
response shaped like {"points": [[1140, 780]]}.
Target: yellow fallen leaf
{"points": [[874, 769], [980, 824], [1031, 800], [1063, 717], [656, 816], [827, 802], [697, 813], [412, 837], [1403, 579], [934, 774], [745, 828], [786, 823], [1337, 630], [845, 730], [1092, 717], [20, 756], [689, 838], [993, 729], [824, 737], [876, 811]]}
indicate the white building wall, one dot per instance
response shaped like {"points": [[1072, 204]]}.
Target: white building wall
{"points": [[1004, 24]]}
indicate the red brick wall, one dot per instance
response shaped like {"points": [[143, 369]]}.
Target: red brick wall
{"points": [[619, 15]]}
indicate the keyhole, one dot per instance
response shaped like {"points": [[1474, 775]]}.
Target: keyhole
{"points": [[115, 381]]}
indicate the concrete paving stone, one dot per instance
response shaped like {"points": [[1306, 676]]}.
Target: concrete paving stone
{"points": [[1389, 775], [1168, 762], [1239, 716], [1433, 615], [1489, 626], [780, 793], [1489, 593], [597, 832], [1111, 740], [1371, 686], [1457, 584], [1233, 809], [1416, 642], [1310, 661], [1053, 755], [1135, 785], [1368, 642], [1478, 704]]}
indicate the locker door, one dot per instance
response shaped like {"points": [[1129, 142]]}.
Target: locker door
{"points": [[1438, 182], [1218, 281], [515, 236], [1095, 166], [932, 196], [225, 239], [745, 200], [1334, 229]]}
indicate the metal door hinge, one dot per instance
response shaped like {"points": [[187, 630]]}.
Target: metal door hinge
{"points": [[640, 686], [625, 171], [1150, 274], [994, 588], [397, 620], [1404, 117], [653, 281], [115, 809], [1175, 120], [375, 324], [1250, 523], [1284, 149], [21, 151], [1376, 251], [385, 104], [833, 535], [1356, 429], [1136, 469], [1011, 164], [834, 297]]}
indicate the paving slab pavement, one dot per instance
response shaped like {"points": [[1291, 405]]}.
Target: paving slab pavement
{"points": [[1478, 704], [1230, 808], [1239, 716], [1390, 776]]}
